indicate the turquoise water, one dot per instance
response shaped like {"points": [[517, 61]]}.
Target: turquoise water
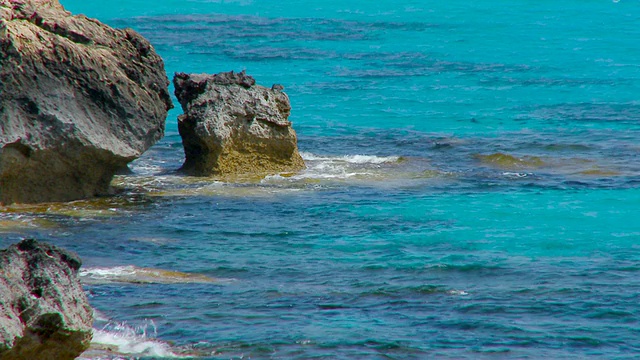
{"points": [[472, 188]]}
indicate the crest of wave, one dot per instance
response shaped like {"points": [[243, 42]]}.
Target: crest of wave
{"points": [[121, 341]]}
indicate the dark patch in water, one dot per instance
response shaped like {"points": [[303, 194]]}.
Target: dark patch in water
{"points": [[465, 268], [253, 38], [586, 112], [417, 64], [584, 341], [332, 306], [401, 292], [612, 314], [551, 82]]}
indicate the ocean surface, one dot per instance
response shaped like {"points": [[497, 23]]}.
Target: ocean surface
{"points": [[472, 188]]}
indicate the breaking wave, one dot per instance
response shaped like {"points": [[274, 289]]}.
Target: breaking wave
{"points": [[121, 341], [137, 275]]}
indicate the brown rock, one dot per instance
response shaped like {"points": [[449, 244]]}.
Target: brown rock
{"points": [[231, 126], [78, 101]]}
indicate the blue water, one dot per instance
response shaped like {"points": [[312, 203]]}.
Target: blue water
{"points": [[472, 188]]}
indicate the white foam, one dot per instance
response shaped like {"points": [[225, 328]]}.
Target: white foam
{"points": [[134, 274], [108, 273], [457, 292], [341, 175], [123, 339], [352, 159], [515, 174], [339, 168]]}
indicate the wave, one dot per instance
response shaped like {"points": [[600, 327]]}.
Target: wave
{"points": [[352, 159], [122, 341], [21, 223], [407, 291], [342, 167], [137, 275]]}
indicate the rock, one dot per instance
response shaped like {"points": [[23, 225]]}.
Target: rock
{"points": [[78, 101], [44, 313], [231, 126]]}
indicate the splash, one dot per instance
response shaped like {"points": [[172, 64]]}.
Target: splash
{"points": [[122, 341], [345, 167], [353, 159]]}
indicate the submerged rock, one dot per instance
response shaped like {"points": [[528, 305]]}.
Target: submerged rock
{"points": [[231, 126], [44, 313], [78, 101], [510, 162]]}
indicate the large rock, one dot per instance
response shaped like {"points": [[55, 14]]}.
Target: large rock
{"points": [[231, 126], [78, 101], [44, 313]]}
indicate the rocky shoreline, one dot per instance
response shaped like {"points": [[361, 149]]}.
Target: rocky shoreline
{"points": [[80, 100], [44, 312]]}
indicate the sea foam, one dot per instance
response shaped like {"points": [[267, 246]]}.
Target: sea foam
{"points": [[121, 341], [138, 275], [353, 159]]}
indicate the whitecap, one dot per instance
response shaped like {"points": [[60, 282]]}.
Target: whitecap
{"points": [[516, 175], [121, 341], [137, 275], [457, 293], [131, 344], [353, 159]]}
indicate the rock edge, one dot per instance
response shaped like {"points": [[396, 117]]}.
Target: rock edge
{"points": [[231, 126], [78, 101], [44, 312]]}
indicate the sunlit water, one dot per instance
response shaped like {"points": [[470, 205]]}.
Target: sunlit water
{"points": [[471, 188]]}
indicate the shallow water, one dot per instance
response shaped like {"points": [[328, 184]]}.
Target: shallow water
{"points": [[471, 188]]}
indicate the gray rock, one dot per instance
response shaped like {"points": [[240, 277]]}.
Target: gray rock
{"points": [[44, 313], [231, 126], [78, 101]]}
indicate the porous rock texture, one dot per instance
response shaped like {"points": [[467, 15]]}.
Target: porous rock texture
{"points": [[231, 126], [44, 313], [78, 101]]}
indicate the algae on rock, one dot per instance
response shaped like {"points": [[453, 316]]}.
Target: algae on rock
{"points": [[231, 126]]}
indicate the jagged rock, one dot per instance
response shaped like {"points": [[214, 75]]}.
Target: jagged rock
{"points": [[78, 101], [231, 126], [44, 313]]}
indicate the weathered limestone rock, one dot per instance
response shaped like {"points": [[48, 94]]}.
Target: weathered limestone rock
{"points": [[78, 101], [231, 126], [44, 313]]}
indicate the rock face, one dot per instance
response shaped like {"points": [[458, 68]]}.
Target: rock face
{"points": [[44, 313], [78, 101], [231, 126]]}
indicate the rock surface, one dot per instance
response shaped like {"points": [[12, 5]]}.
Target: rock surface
{"points": [[44, 313], [78, 101], [231, 126]]}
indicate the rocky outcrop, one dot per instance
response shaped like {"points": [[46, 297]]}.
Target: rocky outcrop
{"points": [[44, 313], [78, 101], [231, 126]]}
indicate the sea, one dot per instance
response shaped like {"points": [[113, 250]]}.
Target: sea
{"points": [[472, 188]]}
